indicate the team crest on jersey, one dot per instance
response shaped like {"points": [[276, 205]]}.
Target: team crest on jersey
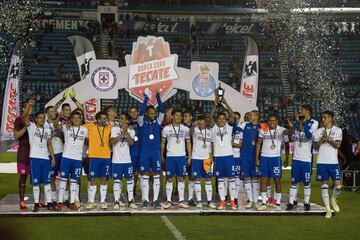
{"points": [[103, 79], [22, 171], [168, 172], [152, 68], [35, 180], [115, 175], [217, 173], [319, 177], [142, 168], [195, 173], [62, 173], [204, 83], [92, 173]]}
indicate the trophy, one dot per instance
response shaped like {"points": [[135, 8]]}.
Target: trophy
{"points": [[219, 92]]}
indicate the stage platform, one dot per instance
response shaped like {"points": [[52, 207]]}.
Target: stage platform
{"points": [[9, 207]]}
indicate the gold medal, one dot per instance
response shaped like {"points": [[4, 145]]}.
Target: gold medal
{"points": [[273, 146], [42, 145], [300, 144], [73, 143], [221, 143], [102, 144], [204, 146], [253, 142], [178, 141]]}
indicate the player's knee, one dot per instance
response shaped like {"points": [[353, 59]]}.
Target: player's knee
{"points": [[181, 179]]}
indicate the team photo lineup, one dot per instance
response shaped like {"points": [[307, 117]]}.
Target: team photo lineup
{"points": [[222, 153]]}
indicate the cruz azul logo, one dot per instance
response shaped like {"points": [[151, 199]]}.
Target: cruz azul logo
{"points": [[152, 68], [103, 79], [204, 83]]}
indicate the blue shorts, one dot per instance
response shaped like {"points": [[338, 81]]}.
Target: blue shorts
{"points": [[248, 168], [270, 167], [100, 167], [120, 170], [237, 166], [224, 166], [197, 169], [86, 165], [40, 171], [175, 166], [150, 161], [136, 163], [56, 169], [326, 170], [300, 172], [72, 167]]}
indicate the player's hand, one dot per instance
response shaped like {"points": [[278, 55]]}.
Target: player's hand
{"points": [[257, 162], [72, 95], [66, 93], [291, 123], [32, 102], [53, 162], [188, 162]]}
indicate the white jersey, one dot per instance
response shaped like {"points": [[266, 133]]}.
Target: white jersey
{"points": [[200, 139], [38, 138], [303, 144], [237, 138], [327, 153], [56, 142], [272, 137], [121, 150], [222, 139], [176, 137], [74, 142]]}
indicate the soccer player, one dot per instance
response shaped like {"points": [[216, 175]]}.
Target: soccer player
{"points": [[65, 114], [328, 140], [111, 115], [249, 172], [187, 121], [23, 160], [135, 147], [177, 137], [52, 123], [236, 144], [223, 155], [75, 137], [202, 150], [40, 164], [122, 138], [150, 159], [269, 143], [304, 127], [100, 159]]}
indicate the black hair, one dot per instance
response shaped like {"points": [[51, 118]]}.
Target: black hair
{"points": [[307, 107], [134, 107], [65, 105], [125, 114], [150, 107], [201, 118], [73, 113], [109, 107], [273, 115], [221, 113], [175, 111], [39, 113], [99, 114], [237, 113], [328, 112], [48, 108], [188, 112]]}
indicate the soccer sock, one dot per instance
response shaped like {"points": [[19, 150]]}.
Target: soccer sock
{"points": [[77, 192], [248, 188], [278, 198], [53, 196], [169, 189], [117, 190], [263, 197], [255, 189], [198, 190], [307, 192], [181, 191], [62, 190], [91, 193], [191, 186], [130, 189], [47, 190], [103, 191], [208, 189], [66, 195], [22, 186], [156, 187], [36, 193], [292, 193], [73, 191], [221, 188], [88, 186], [325, 195], [226, 181], [336, 191], [232, 189], [145, 188], [268, 191], [237, 187], [241, 186]]}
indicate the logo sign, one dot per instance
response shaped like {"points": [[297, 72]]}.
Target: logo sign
{"points": [[92, 106], [103, 79], [204, 83], [152, 69], [250, 76]]}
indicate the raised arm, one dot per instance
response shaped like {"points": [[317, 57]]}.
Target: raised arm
{"points": [[161, 114], [58, 104], [142, 111], [211, 117], [231, 112], [73, 98]]}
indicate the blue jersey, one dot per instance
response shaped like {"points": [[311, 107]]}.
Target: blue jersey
{"points": [[150, 130], [250, 136], [135, 147]]}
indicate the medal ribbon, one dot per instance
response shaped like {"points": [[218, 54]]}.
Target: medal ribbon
{"points": [[77, 133], [101, 136], [176, 133], [272, 138]]}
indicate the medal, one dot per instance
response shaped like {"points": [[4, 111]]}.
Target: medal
{"points": [[300, 145], [151, 136], [41, 136], [75, 136], [221, 143], [136, 138], [42, 145], [204, 139], [122, 145], [176, 134], [101, 136], [253, 142], [178, 141], [221, 137], [272, 138], [273, 146], [73, 143], [204, 146]]}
